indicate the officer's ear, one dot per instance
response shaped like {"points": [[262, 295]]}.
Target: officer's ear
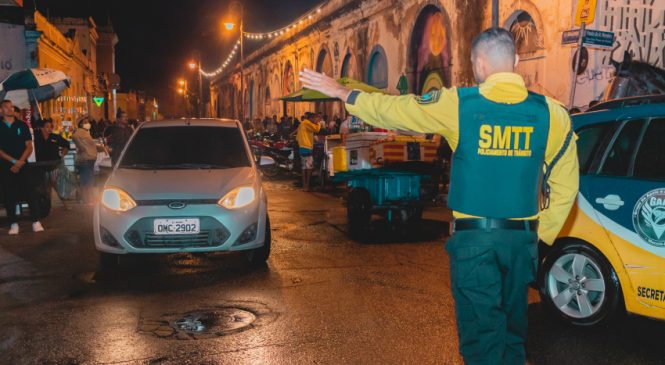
{"points": [[517, 60]]}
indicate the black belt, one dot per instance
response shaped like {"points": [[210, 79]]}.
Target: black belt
{"points": [[467, 224]]}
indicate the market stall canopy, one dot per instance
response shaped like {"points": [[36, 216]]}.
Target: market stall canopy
{"points": [[305, 95], [37, 84]]}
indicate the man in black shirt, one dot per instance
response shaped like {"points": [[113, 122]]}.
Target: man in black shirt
{"points": [[15, 148], [50, 149], [119, 135]]}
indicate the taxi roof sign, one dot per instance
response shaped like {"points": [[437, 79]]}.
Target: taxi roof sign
{"points": [[586, 12]]}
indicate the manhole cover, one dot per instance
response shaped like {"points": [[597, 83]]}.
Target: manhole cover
{"points": [[202, 323]]}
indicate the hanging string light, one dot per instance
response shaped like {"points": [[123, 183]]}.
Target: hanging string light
{"points": [[259, 36], [284, 30], [227, 62]]}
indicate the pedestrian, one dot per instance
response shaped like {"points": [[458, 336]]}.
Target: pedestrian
{"points": [[247, 125], [50, 149], [15, 148], [119, 135], [305, 138], [86, 156], [332, 125], [345, 127], [286, 127], [94, 128], [296, 123], [271, 127], [505, 141]]}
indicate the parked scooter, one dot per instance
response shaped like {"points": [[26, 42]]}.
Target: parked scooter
{"points": [[282, 151]]}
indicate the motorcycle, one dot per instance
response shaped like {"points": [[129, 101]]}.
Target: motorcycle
{"points": [[280, 150]]}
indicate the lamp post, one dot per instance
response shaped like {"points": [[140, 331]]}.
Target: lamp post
{"points": [[197, 66], [182, 90], [230, 26]]}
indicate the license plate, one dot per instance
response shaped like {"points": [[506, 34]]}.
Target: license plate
{"points": [[177, 226]]}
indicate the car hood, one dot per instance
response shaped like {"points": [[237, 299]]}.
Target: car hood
{"points": [[181, 184]]}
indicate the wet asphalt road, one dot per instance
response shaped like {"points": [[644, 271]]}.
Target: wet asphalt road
{"points": [[322, 299]]}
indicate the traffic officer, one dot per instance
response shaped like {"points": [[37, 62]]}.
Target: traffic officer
{"points": [[514, 179]]}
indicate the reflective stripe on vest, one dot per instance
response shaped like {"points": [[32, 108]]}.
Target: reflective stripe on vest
{"points": [[498, 164]]}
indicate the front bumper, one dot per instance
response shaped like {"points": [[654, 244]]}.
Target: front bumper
{"points": [[131, 232]]}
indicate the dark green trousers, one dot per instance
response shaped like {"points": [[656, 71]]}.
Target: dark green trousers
{"points": [[490, 273]]}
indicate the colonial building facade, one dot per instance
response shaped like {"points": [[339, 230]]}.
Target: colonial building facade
{"points": [[418, 45], [75, 55]]}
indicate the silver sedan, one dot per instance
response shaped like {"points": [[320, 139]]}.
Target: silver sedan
{"points": [[184, 186]]}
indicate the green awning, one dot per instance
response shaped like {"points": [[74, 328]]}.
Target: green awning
{"points": [[307, 95]]}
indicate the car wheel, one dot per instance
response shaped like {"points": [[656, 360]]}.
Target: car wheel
{"points": [[579, 285], [359, 211], [108, 261], [259, 256]]}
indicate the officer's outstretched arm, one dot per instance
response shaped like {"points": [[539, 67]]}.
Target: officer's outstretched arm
{"points": [[436, 112], [564, 179]]}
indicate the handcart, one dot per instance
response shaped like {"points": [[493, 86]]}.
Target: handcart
{"points": [[395, 178]]}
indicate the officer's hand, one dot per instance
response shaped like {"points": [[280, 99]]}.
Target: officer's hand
{"points": [[15, 169], [327, 85]]}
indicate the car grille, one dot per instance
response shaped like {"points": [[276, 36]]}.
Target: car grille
{"points": [[141, 235], [161, 241]]}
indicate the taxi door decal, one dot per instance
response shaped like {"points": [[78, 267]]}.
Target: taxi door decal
{"points": [[616, 229], [649, 217]]}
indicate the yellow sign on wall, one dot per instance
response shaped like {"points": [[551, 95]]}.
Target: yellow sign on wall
{"points": [[586, 12]]}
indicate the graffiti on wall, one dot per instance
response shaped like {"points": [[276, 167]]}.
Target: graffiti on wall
{"points": [[639, 26]]}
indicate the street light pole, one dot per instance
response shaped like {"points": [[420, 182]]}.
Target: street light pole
{"points": [[200, 89], [242, 64]]}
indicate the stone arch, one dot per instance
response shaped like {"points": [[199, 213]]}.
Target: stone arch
{"points": [[251, 100], [324, 61], [268, 101], [350, 66], [525, 22], [429, 50], [377, 68], [526, 28], [288, 86]]}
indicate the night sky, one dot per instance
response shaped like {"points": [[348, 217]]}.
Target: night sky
{"points": [[158, 37]]}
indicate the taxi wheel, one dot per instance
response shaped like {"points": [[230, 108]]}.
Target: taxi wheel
{"points": [[259, 256], [359, 211], [579, 285]]}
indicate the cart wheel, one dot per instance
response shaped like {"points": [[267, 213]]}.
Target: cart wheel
{"points": [[359, 211], [412, 215]]}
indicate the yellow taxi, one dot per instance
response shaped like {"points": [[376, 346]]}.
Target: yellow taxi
{"points": [[610, 257]]}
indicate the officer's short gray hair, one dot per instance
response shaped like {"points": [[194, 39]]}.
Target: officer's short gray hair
{"points": [[497, 45]]}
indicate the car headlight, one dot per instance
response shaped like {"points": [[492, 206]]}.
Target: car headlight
{"points": [[117, 200], [238, 198]]}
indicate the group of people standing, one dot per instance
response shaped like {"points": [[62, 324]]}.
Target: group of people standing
{"points": [[34, 182]]}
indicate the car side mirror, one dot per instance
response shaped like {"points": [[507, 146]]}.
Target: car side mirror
{"points": [[266, 162]]}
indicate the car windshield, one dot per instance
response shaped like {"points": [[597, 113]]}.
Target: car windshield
{"points": [[186, 147]]}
